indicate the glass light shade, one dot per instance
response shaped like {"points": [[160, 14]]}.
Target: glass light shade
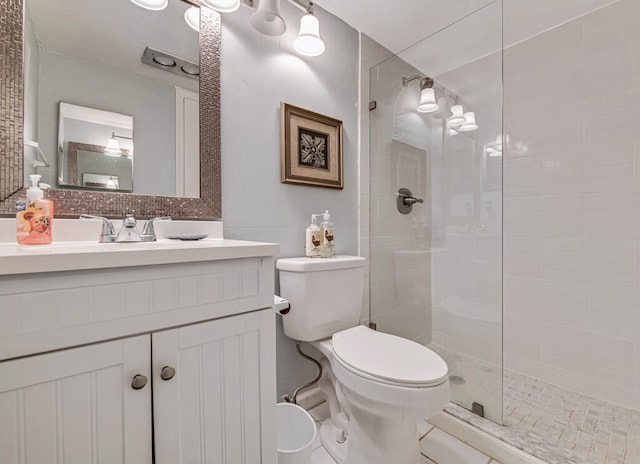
{"points": [[154, 5], [427, 101], [113, 146], [192, 17], [469, 123], [267, 19], [457, 115], [308, 42], [223, 6]]}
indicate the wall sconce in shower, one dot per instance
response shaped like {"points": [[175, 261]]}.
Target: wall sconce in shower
{"points": [[427, 94], [267, 19]]}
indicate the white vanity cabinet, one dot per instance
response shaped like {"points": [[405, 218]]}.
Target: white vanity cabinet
{"points": [[105, 365]]}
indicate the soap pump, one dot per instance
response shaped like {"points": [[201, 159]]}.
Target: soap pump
{"points": [[313, 238], [34, 216], [328, 245]]}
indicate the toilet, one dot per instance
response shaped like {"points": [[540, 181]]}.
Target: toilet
{"points": [[378, 386]]}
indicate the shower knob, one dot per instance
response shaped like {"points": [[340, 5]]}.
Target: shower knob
{"points": [[406, 200]]}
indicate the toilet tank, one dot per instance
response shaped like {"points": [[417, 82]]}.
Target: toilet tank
{"points": [[325, 295]]}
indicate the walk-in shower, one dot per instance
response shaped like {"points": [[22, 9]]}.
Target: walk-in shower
{"points": [[520, 267]]}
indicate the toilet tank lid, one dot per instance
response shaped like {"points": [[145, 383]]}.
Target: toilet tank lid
{"points": [[319, 264]]}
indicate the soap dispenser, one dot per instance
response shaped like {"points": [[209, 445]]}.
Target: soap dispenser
{"points": [[34, 216], [313, 238], [328, 246]]}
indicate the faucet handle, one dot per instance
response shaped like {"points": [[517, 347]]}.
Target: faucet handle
{"points": [[148, 231], [108, 234]]}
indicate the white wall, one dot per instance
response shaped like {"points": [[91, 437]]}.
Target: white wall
{"points": [[259, 72], [572, 205]]}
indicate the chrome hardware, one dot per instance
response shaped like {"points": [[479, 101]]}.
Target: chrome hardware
{"points": [[139, 381], [148, 232], [167, 373], [406, 200], [108, 233], [128, 231]]}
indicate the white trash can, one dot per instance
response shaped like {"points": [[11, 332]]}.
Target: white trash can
{"points": [[296, 434]]}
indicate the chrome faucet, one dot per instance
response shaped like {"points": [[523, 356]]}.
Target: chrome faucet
{"points": [[108, 233], [128, 231], [148, 232]]}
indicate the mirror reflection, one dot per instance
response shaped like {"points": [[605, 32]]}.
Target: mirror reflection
{"points": [[95, 149], [89, 54]]}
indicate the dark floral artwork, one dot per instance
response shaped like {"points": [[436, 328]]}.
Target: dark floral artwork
{"points": [[313, 149]]}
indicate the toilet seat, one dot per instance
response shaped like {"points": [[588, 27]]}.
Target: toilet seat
{"points": [[387, 359]]}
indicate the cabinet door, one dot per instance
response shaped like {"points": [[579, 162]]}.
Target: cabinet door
{"points": [[220, 405], [77, 406]]}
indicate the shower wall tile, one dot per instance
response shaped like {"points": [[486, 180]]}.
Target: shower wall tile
{"points": [[572, 204], [547, 301], [613, 311], [579, 260], [589, 354], [522, 257], [614, 216]]}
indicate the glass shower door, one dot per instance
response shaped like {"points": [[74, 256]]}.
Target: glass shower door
{"points": [[436, 202]]}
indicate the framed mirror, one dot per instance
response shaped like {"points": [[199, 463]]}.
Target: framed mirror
{"points": [[22, 131], [95, 149]]}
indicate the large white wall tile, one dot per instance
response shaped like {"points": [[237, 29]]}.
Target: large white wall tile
{"points": [[613, 311], [582, 260], [557, 303]]}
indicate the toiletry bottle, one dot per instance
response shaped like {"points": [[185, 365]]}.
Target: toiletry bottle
{"points": [[328, 246], [34, 216], [313, 238]]}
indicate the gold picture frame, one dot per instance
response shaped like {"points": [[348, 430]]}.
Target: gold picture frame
{"points": [[310, 148]]}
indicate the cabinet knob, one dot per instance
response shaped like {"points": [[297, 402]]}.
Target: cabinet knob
{"points": [[139, 381], [167, 373]]}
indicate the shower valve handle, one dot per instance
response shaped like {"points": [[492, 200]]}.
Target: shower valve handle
{"points": [[406, 200]]}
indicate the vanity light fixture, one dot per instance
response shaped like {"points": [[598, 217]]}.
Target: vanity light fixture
{"points": [[192, 17], [154, 5], [470, 122], [457, 116], [428, 102], [113, 146], [308, 42], [223, 6], [267, 19]]}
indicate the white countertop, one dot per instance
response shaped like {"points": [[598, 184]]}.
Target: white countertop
{"points": [[67, 256], [72, 251]]}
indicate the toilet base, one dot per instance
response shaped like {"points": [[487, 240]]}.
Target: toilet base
{"points": [[392, 442]]}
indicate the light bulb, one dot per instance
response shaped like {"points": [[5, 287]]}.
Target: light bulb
{"points": [[308, 42]]}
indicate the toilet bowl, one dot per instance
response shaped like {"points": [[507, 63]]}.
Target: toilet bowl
{"points": [[387, 384], [378, 386]]}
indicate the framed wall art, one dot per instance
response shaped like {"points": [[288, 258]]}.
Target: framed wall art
{"points": [[310, 148]]}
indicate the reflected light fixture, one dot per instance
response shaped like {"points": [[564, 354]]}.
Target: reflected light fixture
{"points": [[470, 122], [154, 5], [308, 42], [267, 19], [223, 6], [113, 146], [427, 94], [494, 149], [192, 17], [457, 115]]}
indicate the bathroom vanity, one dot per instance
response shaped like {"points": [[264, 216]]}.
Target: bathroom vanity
{"points": [[154, 352]]}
